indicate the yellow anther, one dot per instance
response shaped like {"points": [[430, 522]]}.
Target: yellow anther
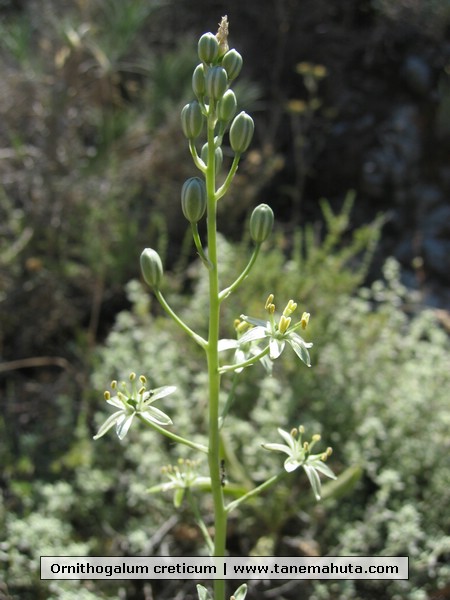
{"points": [[132, 376], [319, 71], [143, 379], [329, 451], [284, 324], [301, 429], [294, 432], [269, 301], [243, 326], [114, 384], [306, 446], [107, 395], [142, 390], [316, 437], [271, 308], [305, 320], [236, 323], [290, 307]]}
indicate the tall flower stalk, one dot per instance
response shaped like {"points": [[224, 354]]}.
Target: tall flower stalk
{"points": [[257, 340]]}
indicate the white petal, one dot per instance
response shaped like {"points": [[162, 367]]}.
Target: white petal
{"points": [[152, 414], [123, 425], [257, 322], [110, 422], [299, 340], [287, 437], [276, 348], [290, 464], [257, 333], [300, 349], [116, 401], [314, 480], [162, 391], [323, 468], [277, 448], [227, 344]]}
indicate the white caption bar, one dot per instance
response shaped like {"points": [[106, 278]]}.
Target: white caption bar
{"points": [[204, 568]]}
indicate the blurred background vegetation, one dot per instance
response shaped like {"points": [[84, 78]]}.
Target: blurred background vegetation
{"points": [[352, 104]]}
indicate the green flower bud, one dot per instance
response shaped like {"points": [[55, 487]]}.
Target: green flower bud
{"points": [[151, 267], [192, 120], [241, 132], [208, 48], [219, 156], [216, 83], [261, 223], [226, 107], [193, 199], [232, 63], [198, 81]]}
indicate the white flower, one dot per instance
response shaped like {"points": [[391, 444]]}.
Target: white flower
{"points": [[299, 455], [130, 404]]}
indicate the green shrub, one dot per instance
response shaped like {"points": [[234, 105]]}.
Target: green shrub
{"points": [[379, 386]]}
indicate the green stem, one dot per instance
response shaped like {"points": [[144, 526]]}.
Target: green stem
{"points": [[200, 521], [195, 157], [220, 517], [174, 436], [198, 245], [227, 291], [231, 173], [229, 402], [248, 363], [197, 338], [255, 491]]}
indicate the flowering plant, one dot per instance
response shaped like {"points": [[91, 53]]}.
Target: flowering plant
{"points": [[257, 341]]}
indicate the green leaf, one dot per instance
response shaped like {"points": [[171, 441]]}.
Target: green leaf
{"points": [[344, 484]]}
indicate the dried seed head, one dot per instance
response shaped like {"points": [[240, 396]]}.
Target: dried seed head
{"points": [[222, 35]]}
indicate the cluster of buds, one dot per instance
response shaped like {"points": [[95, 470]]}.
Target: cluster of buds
{"points": [[215, 106], [215, 100]]}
